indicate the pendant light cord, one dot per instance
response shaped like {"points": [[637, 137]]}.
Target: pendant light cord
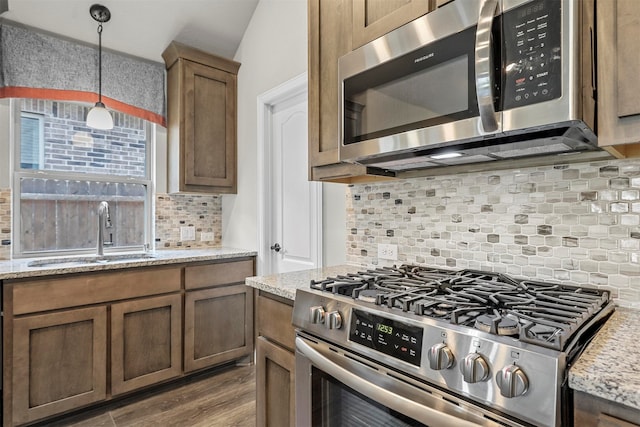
{"points": [[100, 63]]}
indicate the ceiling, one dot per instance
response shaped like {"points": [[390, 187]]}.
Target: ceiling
{"points": [[143, 28]]}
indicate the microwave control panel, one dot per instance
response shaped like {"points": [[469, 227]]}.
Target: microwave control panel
{"points": [[532, 54], [387, 336]]}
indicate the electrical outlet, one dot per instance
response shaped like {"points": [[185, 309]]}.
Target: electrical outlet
{"points": [[207, 237], [386, 251], [187, 233]]}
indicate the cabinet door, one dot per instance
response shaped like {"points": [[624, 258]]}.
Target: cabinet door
{"points": [[145, 342], [275, 380], [375, 18], [209, 128], [329, 38], [217, 326], [618, 31], [59, 362], [593, 411]]}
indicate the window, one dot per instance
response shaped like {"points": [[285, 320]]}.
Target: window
{"points": [[63, 170], [31, 143]]}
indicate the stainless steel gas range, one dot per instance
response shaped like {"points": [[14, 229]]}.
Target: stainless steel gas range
{"points": [[421, 346]]}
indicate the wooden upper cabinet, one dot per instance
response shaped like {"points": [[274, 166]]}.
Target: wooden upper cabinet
{"points": [[618, 30], [375, 18], [202, 116], [329, 38], [330, 32]]}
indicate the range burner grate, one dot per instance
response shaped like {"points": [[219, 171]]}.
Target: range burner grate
{"points": [[546, 314]]}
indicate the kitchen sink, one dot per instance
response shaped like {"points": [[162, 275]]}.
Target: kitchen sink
{"points": [[88, 260]]}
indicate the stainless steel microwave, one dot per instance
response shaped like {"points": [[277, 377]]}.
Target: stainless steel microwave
{"points": [[473, 81]]}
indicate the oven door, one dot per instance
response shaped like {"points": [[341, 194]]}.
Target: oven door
{"points": [[337, 388]]}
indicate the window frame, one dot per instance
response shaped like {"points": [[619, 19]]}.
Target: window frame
{"points": [[17, 174]]}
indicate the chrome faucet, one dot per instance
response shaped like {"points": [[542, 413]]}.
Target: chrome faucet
{"points": [[104, 222]]}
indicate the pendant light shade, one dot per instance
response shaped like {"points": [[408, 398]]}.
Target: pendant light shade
{"points": [[99, 117]]}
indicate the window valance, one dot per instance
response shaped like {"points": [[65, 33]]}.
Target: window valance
{"points": [[39, 64]]}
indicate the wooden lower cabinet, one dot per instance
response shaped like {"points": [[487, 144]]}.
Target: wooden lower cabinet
{"points": [[275, 382], [592, 411], [275, 361], [73, 340], [59, 362], [213, 333], [146, 342]]}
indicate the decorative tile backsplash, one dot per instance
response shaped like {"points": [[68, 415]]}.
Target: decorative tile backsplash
{"points": [[173, 211], [5, 223], [576, 223]]}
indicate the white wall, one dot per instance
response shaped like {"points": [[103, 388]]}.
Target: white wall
{"points": [[273, 50]]}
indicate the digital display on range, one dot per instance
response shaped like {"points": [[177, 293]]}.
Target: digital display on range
{"points": [[387, 336]]}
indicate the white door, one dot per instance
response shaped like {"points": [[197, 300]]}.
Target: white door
{"points": [[291, 223]]}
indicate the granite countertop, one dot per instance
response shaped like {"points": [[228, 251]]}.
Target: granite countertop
{"points": [[19, 268], [609, 366], [285, 284]]}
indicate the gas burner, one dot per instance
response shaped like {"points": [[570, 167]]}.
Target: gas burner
{"points": [[496, 324], [369, 295], [541, 313]]}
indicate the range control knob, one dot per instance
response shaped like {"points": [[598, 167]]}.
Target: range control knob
{"points": [[474, 368], [512, 381], [316, 314], [333, 320], [440, 357]]}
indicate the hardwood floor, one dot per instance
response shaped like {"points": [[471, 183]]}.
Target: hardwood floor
{"points": [[224, 398]]}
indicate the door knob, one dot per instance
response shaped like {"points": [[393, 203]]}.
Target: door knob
{"points": [[276, 247]]}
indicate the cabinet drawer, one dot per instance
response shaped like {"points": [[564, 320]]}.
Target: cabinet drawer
{"points": [[51, 293], [224, 273], [274, 321]]}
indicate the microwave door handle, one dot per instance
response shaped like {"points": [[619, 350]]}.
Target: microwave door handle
{"points": [[484, 73], [387, 398]]}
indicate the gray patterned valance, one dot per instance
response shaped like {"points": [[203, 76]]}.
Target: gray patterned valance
{"points": [[38, 64]]}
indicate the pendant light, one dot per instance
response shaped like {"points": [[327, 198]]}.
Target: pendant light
{"points": [[99, 117]]}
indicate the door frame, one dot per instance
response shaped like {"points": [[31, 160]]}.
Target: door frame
{"points": [[266, 101]]}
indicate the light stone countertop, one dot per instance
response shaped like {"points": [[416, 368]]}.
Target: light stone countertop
{"points": [[18, 268], [285, 284], [610, 366]]}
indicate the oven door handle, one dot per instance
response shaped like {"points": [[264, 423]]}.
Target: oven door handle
{"points": [[483, 65], [385, 397]]}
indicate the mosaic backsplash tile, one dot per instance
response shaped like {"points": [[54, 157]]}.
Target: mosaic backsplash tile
{"points": [[173, 211], [577, 223], [5, 223]]}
